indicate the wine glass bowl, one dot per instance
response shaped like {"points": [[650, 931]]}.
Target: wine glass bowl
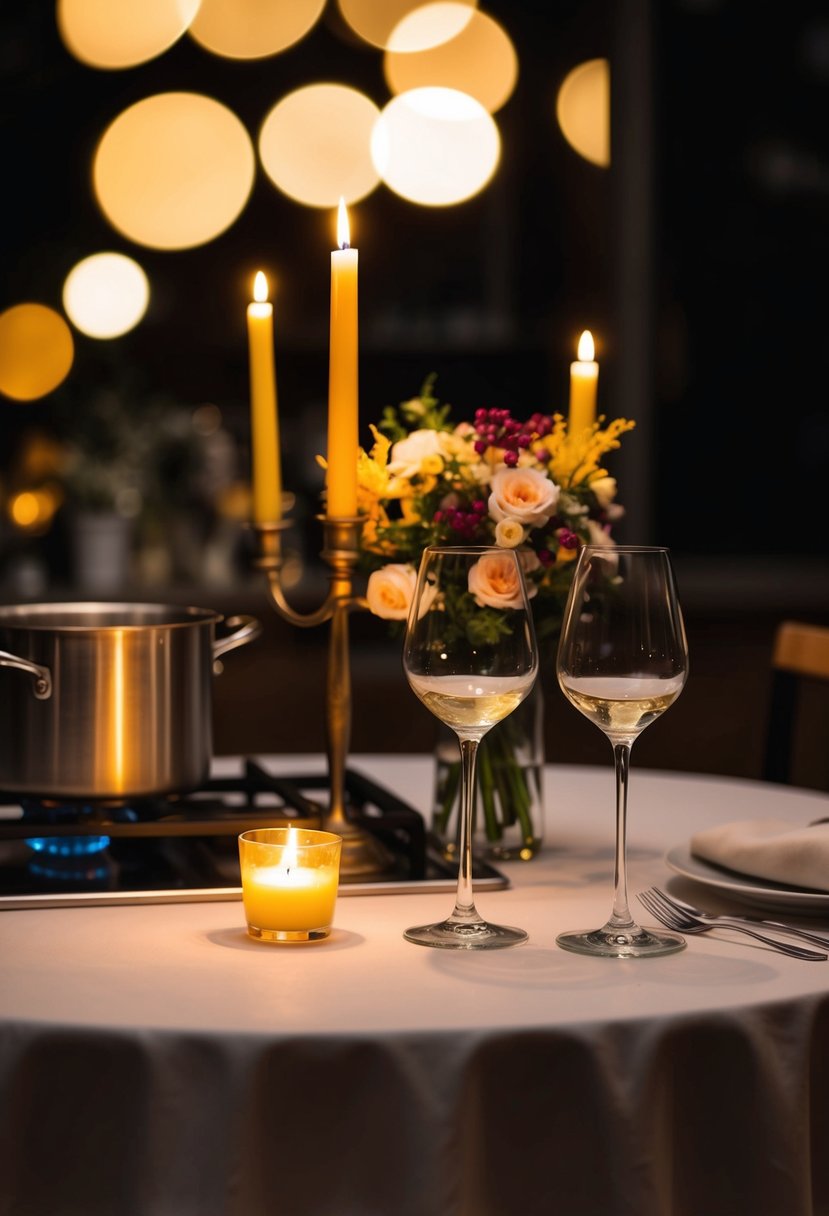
{"points": [[622, 662], [470, 656]]}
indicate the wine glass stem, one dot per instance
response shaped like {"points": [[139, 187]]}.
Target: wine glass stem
{"points": [[464, 902], [621, 917]]}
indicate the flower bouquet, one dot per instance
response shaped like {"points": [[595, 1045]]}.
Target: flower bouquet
{"points": [[523, 484]]}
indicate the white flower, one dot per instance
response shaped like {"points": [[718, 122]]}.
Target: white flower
{"points": [[598, 535], [570, 505], [457, 444], [526, 495], [480, 472], [389, 592], [407, 455], [508, 533], [495, 582]]}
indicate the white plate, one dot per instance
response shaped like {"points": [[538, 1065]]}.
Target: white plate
{"points": [[745, 889]]}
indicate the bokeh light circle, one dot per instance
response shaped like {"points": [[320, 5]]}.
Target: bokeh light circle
{"points": [[106, 295], [435, 146], [583, 110], [376, 21], [174, 170], [479, 60], [116, 34], [315, 145], [36, 351], [251, 29]]}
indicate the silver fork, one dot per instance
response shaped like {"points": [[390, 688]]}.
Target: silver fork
{"points": [[684, 922], [817, 939]]}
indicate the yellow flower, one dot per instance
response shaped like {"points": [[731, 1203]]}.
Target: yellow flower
{"points": [[372, 470], [372, 524], [410, 513], [381, 447], [574, 459]]}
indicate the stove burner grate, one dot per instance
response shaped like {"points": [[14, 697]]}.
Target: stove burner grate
{"points": [[183, 847]]}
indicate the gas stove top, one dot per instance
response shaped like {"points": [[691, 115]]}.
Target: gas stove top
{"points": [[183, 848]]}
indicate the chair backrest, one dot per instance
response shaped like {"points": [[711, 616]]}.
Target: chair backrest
{"points": [[800, 654]]}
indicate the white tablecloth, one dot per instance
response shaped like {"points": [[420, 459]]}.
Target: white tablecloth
{"points": [[156, 1061]]}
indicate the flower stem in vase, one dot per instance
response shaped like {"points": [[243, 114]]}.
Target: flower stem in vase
{"points": [[508, 807], [486, 792]]}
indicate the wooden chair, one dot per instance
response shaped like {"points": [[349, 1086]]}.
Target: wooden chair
{"points": [[800, 656]]}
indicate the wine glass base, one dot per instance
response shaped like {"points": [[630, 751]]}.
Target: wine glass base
{"points": [[610, 943], [463, 935]]}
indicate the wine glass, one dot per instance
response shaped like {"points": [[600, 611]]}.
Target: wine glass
{"points": [[622, 660], [470, 656]]}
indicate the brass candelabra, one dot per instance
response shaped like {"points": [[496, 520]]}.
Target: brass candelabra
{"points": [[362, 852]]}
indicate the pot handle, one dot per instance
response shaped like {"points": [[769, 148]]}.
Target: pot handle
{"points": [[246, 629], [42, 675]]}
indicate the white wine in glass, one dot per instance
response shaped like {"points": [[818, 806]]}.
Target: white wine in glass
{"points": [[470, 656], [622, 661]]}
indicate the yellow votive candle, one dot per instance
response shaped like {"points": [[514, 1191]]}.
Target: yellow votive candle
{"points": [[584, 382], [341, 479], [264, 420], [290, 879], [293, 899]]}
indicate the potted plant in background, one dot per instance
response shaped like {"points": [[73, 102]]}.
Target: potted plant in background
{"points": [[144, 478]]}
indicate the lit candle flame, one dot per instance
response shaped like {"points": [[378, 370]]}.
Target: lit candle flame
{"points": [[260, 288], [586, 348], [289, 853], [343, 232]]}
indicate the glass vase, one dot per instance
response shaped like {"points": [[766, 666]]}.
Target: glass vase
{"points": [[509, 803]]}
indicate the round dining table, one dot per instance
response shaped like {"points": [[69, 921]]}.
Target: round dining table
{"points": [[157, 1061]]}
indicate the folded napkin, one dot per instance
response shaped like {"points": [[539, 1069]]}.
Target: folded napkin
{"points": [[771, 849]]}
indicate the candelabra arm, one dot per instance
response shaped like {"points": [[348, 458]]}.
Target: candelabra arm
{"points": [[305, 620], [340, 553]]}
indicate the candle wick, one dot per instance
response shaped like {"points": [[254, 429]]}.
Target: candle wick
{"points": [[345, 244]]}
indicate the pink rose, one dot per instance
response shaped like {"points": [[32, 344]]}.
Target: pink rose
{"points": [[526, 495]]}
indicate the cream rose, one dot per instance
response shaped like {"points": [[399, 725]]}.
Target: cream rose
{"points": [[526, 495], [495, 582], [389, 592], [508, 533]]}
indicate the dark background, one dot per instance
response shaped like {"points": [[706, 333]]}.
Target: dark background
{"points": [[699, 261]]}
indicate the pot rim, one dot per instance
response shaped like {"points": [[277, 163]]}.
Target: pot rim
{"points": [[45, 617]]}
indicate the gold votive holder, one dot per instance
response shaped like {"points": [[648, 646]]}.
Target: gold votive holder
{"points": [[290, 878]]}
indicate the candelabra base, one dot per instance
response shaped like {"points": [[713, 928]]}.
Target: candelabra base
{"points": [[362, 854]]}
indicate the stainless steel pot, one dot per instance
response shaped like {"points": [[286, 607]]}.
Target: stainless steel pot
{"points": [[109, 701]]}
